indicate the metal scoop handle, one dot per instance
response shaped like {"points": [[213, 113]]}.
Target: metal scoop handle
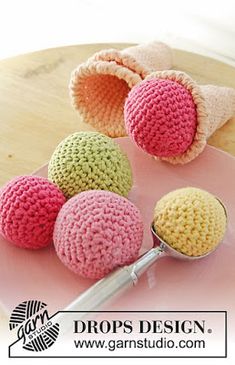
{"points": [[114, 283]]}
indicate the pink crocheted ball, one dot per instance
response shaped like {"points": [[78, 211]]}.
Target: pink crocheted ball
{"points": [[97, 231], [28, 209], [160, 116]]}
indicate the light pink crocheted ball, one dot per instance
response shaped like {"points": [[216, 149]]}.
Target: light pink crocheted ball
{"points": [[28, 209], [160, 116], [97, 231]]}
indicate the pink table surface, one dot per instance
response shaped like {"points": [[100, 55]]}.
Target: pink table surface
{"points": [[207, 284]]}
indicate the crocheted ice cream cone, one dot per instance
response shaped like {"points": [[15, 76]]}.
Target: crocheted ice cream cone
{"points": [[190, 220], [219, 104], [28, 209], [96, 232], [90, 161], [100, 86], [171, 117]]}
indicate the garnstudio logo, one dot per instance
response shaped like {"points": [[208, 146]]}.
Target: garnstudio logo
{"points": [[34, 327]]}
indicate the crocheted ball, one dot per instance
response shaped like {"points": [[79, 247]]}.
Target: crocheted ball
{"points": [[97, 231], [28, 209], [89, 161], [190, 220], [160, 116]]}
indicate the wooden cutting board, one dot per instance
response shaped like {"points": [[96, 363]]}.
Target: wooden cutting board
{"points": [[35, 109]]}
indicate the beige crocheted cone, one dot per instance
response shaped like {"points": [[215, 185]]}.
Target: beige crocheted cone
{"points": [[215, 105], [99, 86], [220, 106]]}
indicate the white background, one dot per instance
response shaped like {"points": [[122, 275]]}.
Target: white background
{"points": [[204, 26]]}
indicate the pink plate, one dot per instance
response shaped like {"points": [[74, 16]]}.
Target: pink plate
{"points": [[206, 284]]}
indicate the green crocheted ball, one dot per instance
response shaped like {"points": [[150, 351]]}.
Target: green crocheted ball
{"points": [[90, 161]]}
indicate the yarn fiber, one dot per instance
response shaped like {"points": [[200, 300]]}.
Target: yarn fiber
{"points": [[96, 232], [90, 161], [99, 86], [161, 117], [28, 209], [174, 116], [190, 220]]}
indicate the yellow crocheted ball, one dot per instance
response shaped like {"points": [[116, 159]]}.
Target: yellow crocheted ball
{"points": [[90, 161], [190, 220]]}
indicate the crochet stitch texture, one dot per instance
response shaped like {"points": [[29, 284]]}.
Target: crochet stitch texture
{"points": [[214, 106], [190, 220], [90, 161], [161, 117], [28, 209], [99, 86], [96, 232]]}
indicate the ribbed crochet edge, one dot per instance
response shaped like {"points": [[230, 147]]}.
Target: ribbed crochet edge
{"points": [[200, 137], [106, 62], [121, 58]]}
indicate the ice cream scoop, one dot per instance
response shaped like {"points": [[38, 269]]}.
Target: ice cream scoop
{"points": [[99, 86], [188, 224], [171, 117], [190, 220], [28, 209], [97, 231], [90, 161]]}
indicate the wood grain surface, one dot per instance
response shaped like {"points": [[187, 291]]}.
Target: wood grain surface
{"points": [[35, 109]]}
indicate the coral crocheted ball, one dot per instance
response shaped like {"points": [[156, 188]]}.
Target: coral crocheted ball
{"points": [[87, 161], [190, 220], [28, 209], [97, 231], [160, 116]]}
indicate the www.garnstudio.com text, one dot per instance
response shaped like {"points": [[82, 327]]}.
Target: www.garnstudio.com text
{"points": [[160, 343]]}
